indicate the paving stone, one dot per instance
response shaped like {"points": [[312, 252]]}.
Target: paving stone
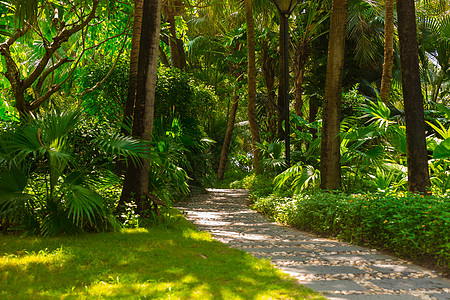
{"points": [[321, 264], [333, 285], [320, 270], [387, 269], [353, 258], [340, 248], [288, 250], [411, 284], [440, 296], [279, 258]]}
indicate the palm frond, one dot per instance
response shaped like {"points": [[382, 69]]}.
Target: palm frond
{"points": [[83, 205], [123, 146]]}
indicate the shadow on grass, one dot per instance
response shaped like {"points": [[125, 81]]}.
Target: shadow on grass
{"points": [[176, 262]]}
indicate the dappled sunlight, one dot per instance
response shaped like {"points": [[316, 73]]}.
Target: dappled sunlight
{"points": [[22, 259], [154, 263]]}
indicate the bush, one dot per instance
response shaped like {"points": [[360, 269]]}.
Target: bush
{"points": [[258, 185], [408, 224], [46, 188]]}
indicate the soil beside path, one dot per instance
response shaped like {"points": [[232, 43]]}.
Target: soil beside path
{"points": [[336, 269]]}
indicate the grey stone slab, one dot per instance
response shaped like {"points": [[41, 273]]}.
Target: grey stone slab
{"points": [[388, 268], [370, 297], [352, 258], [322, 270], [279, 249], [440, 296], [333, 285], [340, 248], [285, 258], [411, 284]]}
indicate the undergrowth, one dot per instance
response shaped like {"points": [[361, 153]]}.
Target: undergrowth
{"points": [[410, 225]]}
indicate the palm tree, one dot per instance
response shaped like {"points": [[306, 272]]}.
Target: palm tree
{"points": [[177, 55], [251, 105], [44, 188], [137, 176], [134, 63], [308, 29], [330, 168], [388, 50], [417, 157]]}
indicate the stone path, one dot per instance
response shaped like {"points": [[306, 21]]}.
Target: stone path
{"points": [[338, 270]]}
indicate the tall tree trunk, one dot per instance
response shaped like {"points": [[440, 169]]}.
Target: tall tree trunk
{"points": [[134, 62], [416, 148], [330, 167], [251, 106], [177, 54], [268, 70], [132, 79], [388, 50], [301, 55], [137, 176], [228, 135]]}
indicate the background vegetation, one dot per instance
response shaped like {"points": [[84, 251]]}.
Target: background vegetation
{"points": [[67, 136]]}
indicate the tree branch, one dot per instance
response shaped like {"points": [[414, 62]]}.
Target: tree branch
{"points": [[86, 91], [98, 84], [38, 87], [62, 37]]}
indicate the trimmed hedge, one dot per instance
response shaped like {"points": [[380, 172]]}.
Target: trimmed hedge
{"points": [[409, 224]]}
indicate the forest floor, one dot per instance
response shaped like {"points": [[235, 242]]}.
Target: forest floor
{"points": [[336, 269]]}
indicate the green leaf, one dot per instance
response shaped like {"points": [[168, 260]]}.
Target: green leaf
{"points": [[442, 150], [83, 204], [13, 180]]}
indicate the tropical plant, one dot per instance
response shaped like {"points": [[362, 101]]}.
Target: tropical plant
{"points": [[43, 188], [272, 158]]}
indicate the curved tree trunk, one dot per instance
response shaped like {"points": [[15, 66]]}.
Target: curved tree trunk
{"points": [[388, 50], [416, 148], [251, 106], [228, 135], [136, 178], [330, 167]]}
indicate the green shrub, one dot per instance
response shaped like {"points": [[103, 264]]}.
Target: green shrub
{"points": [[410, 225], [258, 185], [45, 188]]}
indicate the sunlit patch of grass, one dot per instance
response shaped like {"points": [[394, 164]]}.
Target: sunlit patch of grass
{"points": [[169, 261]]}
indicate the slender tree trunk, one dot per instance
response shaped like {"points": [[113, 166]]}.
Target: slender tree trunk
{"points": [[388, 50], [132, 79], [298, 83], [416, 148], [136, 178], [268, 70], [163, 57], [251, 106], [177, 54], [134, 59], [330, 167], [301, 55], [228, 135], [313, 111]]}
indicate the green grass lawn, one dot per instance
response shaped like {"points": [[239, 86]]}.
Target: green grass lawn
{"points": [[173, 261]]}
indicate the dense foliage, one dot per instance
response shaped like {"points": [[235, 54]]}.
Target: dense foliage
{"points": [[44, 188]]}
